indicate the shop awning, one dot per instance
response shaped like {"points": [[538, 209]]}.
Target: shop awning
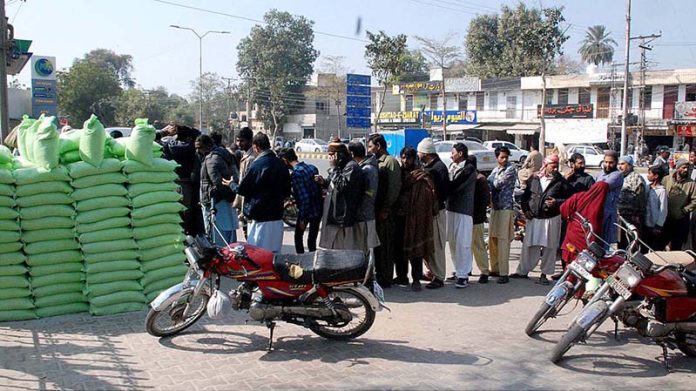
{"points": [[524, 129], [456, 127], [495, 128]]}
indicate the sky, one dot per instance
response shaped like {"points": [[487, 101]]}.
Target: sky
{"points": [[164, 56]]}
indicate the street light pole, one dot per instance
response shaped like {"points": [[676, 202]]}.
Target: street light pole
{"points": [[200, 67]]}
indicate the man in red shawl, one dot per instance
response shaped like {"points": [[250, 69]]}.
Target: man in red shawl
{"points": [[590, 204]]}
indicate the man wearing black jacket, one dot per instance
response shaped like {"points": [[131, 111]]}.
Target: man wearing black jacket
{"points": [[541, 203], [342, 204], [438, 171], [265, 187]]}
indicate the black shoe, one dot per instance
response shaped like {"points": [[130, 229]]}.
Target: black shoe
{"points": [[403, 282], [416, 286], [435, 284], [494, 274], [516, 275], [543, 280], [556, 276], [503, 280], [462, 283], [483, 279], [453, 277]]}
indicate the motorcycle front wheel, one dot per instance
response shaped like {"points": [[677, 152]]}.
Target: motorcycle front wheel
{"points": [[544, 312], [363, 316], [290, 215], [574, 334], [171, 320]]}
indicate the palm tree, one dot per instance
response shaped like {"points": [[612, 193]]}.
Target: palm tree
{"points": [[597, 47]]}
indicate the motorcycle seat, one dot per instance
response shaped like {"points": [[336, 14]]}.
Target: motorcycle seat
{"points": [[321, 266], [683, 258]]}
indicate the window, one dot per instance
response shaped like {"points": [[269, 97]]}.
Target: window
{"points": [[549, 97], [668, 100], [584, 96], [493, 101], [409, 103], [602, 109], [691, 92], [511, 146], [433, 102], [563, 96], [479, 100], [647, 98], [511, 107], [462, 102], [320, 106]]}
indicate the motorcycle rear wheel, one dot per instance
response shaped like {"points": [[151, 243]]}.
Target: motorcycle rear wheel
{"points": [[360, 309], [173, 314], [687, 344], [574, 334], [290, 215], [544, 312]]}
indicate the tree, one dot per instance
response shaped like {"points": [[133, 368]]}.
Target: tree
{"points": [[331, 85], [385, 56], [597, 47], [85, 89], [215, 99], [414, 67], [565, 65], [155, 105], [277, 60], [120, 64], [515, 43]]}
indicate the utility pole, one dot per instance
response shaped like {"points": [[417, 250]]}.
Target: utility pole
{"points": [[4, 120], [645, 40], [625, 86], [229, 105], [444, 107]]}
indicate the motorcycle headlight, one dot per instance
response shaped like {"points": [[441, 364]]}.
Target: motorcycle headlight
{"points": [[586, 260], [192, 258], [629, 276]]}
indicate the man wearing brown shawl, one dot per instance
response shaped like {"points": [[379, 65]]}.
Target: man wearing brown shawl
{"points": [[414, 211]]}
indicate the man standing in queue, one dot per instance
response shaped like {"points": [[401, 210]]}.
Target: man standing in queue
{"points": [[502, 221], [387, 193]]}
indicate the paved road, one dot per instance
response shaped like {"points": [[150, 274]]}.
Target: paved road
{"points": [[443, 339]]}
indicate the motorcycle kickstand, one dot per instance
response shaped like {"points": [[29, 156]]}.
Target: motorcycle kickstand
{"points": [[664, 358], [271, 327], [616, 329]]}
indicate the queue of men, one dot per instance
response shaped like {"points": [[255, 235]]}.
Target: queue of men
{"points": [[403, 211]]}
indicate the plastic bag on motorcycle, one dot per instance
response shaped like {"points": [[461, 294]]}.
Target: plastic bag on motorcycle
{"points": [[218, 305]]}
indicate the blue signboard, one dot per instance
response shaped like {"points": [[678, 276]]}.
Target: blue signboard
{"points": [[358, 101], [358, 122], [353, 79], [453, 117], [357, 90], [358, 112], [43, 98]]}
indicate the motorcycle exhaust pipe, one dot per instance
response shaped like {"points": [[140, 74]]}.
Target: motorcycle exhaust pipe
{"points": [[655, 328], [261, 312]]}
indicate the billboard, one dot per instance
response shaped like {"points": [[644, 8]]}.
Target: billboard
{"points": [[44, 97]]}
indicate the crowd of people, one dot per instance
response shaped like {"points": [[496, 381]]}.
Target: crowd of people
{"points": [[402, 211]]}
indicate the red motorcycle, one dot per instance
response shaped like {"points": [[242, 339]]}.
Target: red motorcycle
{"points": [[321, 291], [592, 262], [654, 293]]}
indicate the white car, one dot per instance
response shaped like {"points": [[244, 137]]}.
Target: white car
{"points": [[593, 155], [118, 132], [311, 145], [485, 158], [517, 155]]}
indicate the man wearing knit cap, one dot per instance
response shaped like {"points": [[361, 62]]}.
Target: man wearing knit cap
{"points": [[345, 183], [681, 201], [438, 171], [632, 197]]}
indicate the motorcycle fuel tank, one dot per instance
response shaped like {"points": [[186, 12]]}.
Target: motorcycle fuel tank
{"points": [[668, 283]]}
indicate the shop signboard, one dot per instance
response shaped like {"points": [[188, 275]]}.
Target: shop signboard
{"points": [[566, 111], [453, 117], [399, 117], [427, 87], [686, 130], [685, 110], [44, 99]]}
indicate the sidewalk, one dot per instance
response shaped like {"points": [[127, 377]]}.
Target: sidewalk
{"points": [[471, 338]]}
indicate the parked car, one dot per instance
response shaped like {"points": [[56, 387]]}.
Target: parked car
{"points": [[311, 145], [593, 155], [485, 158], [118, 132], [517, 155]]}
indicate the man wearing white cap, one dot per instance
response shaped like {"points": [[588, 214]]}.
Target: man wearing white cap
{"points": [[438, 171]]}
